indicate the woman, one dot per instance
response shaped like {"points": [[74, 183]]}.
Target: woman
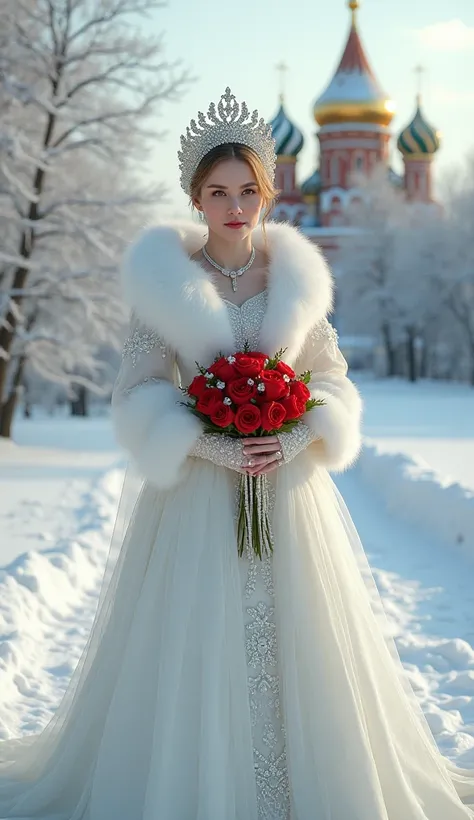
{"points": [[213, 686]]}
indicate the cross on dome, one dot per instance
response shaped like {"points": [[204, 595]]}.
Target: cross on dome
{"points": [[353, 5], [281, 67], [288, 138]]}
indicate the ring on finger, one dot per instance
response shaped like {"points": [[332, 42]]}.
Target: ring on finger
{"points": [[278, 455]]}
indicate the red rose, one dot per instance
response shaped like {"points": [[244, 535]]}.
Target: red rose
{"points": [[294, 407], [248, 365], [260, 398], [247, 418], [222, 415], [197, 386], [208, 400], [224, 370], [275, 385], [273, 415], [240, 391], [256, 354], [300, 390], [285, 369]]}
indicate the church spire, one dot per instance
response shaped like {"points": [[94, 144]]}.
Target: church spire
{"points": [[354, 5], [354, 94]]}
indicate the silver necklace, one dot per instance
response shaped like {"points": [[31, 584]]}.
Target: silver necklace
{"points": [[233, 274]]}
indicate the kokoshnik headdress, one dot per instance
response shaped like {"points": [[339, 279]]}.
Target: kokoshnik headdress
{"points": [[227, 124]]}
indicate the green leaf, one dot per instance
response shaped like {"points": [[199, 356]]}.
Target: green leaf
{"points": [[314, 403], [287, 426]]}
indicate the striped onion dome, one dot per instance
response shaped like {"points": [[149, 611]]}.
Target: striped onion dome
{"points": [[354, 93], [419, 138], [312, 185], [288, 138]]}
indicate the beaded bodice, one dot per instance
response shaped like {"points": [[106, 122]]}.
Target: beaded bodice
{"points": [[246, 318]]}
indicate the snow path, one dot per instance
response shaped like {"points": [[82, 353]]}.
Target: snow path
{"points": [[428, 596]]}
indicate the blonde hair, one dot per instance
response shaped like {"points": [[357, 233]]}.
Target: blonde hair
{"points": [[242, 152]]}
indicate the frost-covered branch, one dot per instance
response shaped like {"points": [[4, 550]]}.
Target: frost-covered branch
{"points": [[408, 278], [81, 86]]}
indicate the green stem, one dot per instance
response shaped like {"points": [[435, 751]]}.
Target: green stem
{"points": [[255, 539], [253, 484], [241, 536]]}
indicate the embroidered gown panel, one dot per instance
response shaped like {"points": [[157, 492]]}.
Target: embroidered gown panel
{"points": [[268, 731]]}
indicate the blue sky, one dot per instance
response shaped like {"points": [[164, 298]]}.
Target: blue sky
{"points": [[239, 44]]}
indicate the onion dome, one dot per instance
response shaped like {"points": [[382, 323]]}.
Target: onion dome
{"points": [[288, 138], [312, 186], [419, 138], [354, 94]]}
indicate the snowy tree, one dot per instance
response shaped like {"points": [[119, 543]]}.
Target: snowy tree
{"points": [[368, 259], [456, 279], [438, 258], [80, 84], [419, 257], [399, 275]]}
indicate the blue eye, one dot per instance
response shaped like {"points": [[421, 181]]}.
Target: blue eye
{"points": [[252, 191]]}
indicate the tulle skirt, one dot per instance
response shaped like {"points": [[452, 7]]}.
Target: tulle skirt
{"points": [[212, 689]]}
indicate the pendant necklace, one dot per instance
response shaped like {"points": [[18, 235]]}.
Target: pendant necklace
{"points": [[233, 274]]}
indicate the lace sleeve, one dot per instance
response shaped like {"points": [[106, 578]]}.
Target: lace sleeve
{"points": [[149, 423], [221, 450], [296, 440]]}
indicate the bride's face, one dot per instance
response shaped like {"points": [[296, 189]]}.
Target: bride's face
{"points": [[230, 194]]}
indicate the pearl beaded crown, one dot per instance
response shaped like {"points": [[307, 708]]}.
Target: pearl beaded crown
{"points": [[227, 124]]}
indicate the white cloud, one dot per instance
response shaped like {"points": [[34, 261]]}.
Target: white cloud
{"points": [[452, 35]]}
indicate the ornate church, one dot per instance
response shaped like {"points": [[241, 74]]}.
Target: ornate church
{"points": [[354, 115]]}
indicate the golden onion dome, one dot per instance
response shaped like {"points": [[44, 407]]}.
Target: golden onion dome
{"points": [[354, 94], [419, 139]]}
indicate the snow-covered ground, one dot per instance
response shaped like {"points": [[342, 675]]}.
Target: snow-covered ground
{"points": [[42, 475], [59, 488], [430, 421], [411, 497]]}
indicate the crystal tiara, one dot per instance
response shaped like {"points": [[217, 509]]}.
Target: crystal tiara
{"points": [[227, 124]]}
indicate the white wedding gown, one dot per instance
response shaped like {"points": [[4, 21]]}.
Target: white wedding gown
{"points": [[215, 687]]}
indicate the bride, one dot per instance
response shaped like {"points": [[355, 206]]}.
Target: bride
{"points": [[213, 686]]}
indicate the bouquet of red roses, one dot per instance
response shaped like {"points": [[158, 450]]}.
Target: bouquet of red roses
{"points": [[250, 394]]}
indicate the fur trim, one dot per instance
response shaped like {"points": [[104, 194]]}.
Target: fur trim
{"points": [[177, 297], [156, 431], [337, 422]]}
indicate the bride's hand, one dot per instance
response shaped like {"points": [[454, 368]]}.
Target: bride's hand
{"points": [[264, 452]]}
